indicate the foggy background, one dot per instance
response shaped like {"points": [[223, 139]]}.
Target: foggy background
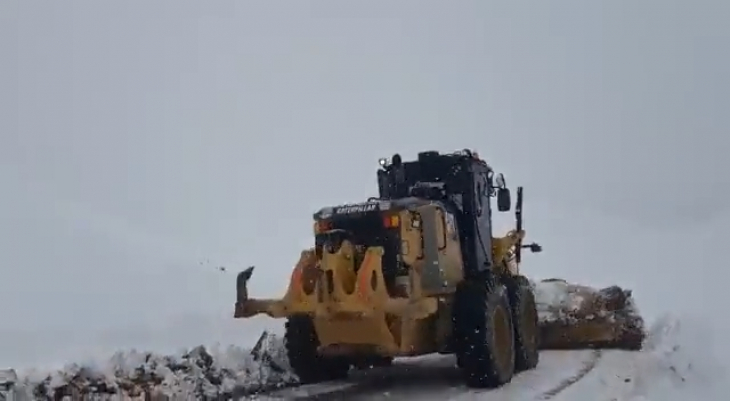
{"points": [[145, 143]]}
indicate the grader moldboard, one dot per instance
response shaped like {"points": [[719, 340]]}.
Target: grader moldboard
{"points": [[412, 272]]}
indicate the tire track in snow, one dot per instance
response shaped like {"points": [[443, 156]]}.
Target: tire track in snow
{"points": [[589, 365]]}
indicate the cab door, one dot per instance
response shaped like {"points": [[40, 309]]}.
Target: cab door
{"points": [[441, 270], [449, 248], [411, 234]]}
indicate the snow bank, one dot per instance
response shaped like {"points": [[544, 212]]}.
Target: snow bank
{"points": [[575, 316], [199, 373]]}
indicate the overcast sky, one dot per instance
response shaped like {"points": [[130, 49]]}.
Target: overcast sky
{"points": [[142, 143]]}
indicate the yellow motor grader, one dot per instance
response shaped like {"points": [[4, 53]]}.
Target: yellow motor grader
{"points": [[414, 271]]}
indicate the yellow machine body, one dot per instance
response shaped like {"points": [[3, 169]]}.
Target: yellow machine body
{"points": [[356, 311]]}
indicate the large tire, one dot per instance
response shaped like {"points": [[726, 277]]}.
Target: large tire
{"points": [[483, 333], [524, 316], [301, 344]]}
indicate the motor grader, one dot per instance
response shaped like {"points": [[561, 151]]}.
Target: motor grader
{"points": [[411, 272]]}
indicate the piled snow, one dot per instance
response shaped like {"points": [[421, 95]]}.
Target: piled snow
{"points": [[575, 316], [558, 300], [555, 300], [200, 373]]}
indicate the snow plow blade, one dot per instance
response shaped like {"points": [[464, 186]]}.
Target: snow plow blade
{"points": [[574, 316]]}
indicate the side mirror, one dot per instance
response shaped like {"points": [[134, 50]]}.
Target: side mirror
{"points": [[504, 200]]}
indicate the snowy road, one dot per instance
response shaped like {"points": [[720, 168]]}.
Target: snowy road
{"points": [[678, 363], [435, 377]]}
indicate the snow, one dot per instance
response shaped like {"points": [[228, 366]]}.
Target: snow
{"points": [[195, 373], [215, 371], [676, 364], [128, 155], [683, 357], [679, 363], [555, 296]]}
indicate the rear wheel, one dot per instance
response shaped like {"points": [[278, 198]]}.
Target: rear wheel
{"points": [[301, 344], [483, 333]]}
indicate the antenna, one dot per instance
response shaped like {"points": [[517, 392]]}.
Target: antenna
{"points": [[518, 223]]}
